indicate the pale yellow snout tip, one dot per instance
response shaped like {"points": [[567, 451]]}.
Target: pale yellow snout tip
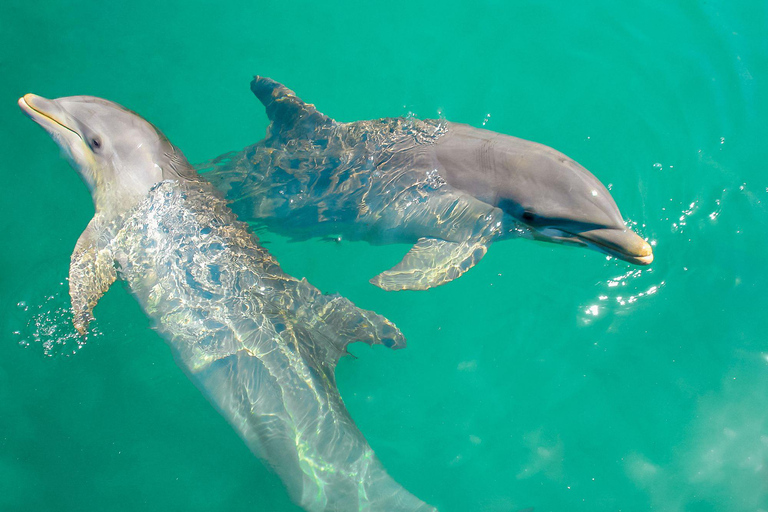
{"points": [[27, 100], [645, 254]]}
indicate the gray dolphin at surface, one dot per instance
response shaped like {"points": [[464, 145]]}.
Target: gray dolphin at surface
{"points": [[448, 188], [259, 343]]}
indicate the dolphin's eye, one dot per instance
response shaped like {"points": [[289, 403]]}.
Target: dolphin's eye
{"points": [[528, 216], [95, 143]]}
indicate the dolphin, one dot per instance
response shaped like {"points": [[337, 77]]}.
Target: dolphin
{"points": [[262, 345], [448, 188]]}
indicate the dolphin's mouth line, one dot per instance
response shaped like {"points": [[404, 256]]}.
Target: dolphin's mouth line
{"points": [[570, 238], [46, 116], [613, 251]]}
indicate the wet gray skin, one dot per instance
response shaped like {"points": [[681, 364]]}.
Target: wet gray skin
{"points": [[259, 343], [448, 188]]}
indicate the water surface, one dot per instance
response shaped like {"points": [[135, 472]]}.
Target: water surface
{"points": [[546, 377]]}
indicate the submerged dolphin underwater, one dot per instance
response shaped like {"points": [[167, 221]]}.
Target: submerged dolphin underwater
{"points": [[259, 343], [449, 188]]}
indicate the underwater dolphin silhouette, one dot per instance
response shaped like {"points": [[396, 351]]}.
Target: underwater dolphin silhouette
{"points": [[259, 343], [449, 188]]}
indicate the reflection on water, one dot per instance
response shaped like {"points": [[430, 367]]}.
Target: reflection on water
{"points": [[626, 288]]}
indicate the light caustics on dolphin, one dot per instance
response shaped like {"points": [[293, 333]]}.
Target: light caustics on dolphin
{"points": [[259, 343], [448, 188]]}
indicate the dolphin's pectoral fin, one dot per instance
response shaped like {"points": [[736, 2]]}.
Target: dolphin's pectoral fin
{"points": [[291, 117], [91, 272], [431, 262], [354, 324], [345, 323]]}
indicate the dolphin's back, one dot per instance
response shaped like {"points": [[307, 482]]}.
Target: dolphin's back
{"points": [[377, 180], [262, 345]]}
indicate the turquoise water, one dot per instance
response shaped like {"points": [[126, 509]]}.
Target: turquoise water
{"points": [[546, 377]]}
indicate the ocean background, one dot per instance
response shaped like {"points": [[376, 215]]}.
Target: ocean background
{"points": [[548, 378]]}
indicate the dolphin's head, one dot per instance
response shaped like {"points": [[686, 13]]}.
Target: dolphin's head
{"points": [[117, 153], [557, 199], [560, 201]]}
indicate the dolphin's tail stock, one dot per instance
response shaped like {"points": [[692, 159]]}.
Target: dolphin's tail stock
{"points": [[325, 464], [283, 401]]}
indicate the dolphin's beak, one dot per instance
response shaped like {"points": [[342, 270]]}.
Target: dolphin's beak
{"points": [[62, 127], [46, 113], [623, 244]]}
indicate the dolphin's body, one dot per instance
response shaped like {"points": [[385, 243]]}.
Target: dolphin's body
{"points": [[261, 344], [449, 188]]}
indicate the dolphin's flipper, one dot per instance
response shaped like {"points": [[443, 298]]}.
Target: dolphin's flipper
{"points": [[431, 262], [291, 117], [345, 323], [91, 272]]}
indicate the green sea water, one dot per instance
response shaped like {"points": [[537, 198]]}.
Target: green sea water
{"points": [[547, 377]]}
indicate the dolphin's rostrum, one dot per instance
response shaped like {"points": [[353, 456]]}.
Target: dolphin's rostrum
{"points": [[261, 344], [448, 188]]}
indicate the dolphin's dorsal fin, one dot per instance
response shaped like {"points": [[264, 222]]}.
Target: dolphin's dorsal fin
{"points": [[335, 322], [91, 272], [291, 117]]}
